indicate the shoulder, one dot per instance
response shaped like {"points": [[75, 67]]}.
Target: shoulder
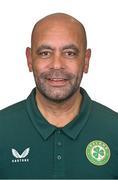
{"points": [[12, 110], [100, 111]]}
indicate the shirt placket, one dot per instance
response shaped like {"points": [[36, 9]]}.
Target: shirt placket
{"points": [[59, 154]]}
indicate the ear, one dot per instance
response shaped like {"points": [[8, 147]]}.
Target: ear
{"points": [[29, 58], [87, 59]]}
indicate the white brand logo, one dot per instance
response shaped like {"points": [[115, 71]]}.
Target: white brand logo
{"points": [[20, 157]]}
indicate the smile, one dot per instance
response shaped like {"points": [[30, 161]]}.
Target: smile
{"points": [[57, 82], [57, 79]]}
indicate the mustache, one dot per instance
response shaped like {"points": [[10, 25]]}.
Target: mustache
{"points": [[57, 74]]}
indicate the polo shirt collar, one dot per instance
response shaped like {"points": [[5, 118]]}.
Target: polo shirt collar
{"points": [[74, 128], [45, 129], [40, 123]]}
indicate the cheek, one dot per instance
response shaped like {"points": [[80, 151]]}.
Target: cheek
{"points": [[39, 67], [76, 68]]}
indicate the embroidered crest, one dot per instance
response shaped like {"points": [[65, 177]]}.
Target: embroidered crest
{"points": [[98, 152]]}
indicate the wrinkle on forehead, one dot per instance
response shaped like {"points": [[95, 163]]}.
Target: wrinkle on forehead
{"points": [[59, 19]]}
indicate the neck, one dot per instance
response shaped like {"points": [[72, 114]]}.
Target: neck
{"points": [[59, 114]]}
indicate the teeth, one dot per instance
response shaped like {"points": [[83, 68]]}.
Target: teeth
{"points": [[56, 79]]}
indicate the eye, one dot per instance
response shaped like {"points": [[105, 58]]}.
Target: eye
{"points": [[44, 54], [70, 53]]}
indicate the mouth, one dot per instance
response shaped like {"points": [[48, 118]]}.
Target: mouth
{"points": [[57, 82]]}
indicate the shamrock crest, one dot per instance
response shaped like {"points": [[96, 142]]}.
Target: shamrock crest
{"points": [[98, 152]]}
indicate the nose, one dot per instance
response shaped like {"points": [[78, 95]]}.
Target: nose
{"points": [[57, 62]]}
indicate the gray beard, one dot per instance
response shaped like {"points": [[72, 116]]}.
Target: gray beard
{"points": [[57, 94]]}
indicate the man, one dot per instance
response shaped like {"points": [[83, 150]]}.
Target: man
{"points": [[58, 131]]}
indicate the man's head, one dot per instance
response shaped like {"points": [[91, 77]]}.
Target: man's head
{"points": [[58, 56]]}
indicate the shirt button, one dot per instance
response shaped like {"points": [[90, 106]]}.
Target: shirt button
{"points": [[59, 157], [59, 132], [59, 143]]}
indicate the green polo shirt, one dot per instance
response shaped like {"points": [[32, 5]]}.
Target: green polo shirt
{"points": [[32, 148]]}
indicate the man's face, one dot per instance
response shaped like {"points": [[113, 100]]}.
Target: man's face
{"points": [[58, 59]]}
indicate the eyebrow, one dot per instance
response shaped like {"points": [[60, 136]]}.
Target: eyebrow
{"points": [[44, 47], [70, 46]]}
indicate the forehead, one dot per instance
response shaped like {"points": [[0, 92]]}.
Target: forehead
{"points": [[57, 33]]}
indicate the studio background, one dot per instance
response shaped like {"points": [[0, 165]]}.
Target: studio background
{"points": [[99, 17]]}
